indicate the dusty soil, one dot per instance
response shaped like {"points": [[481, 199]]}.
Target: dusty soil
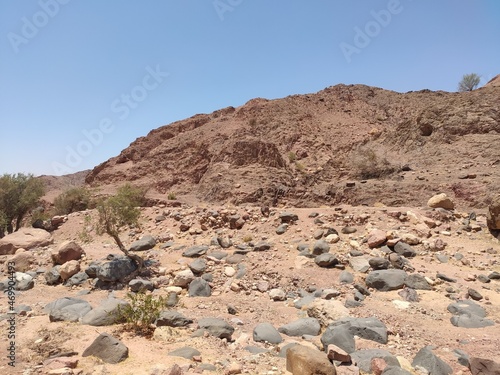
{"points": [[426, 322]]}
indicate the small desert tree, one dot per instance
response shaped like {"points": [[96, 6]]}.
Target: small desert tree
{"points": [[19, 193], [118, 211], [469, 82]]}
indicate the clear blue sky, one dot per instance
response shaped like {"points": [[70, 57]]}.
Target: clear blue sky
{"points": [[117, 69]]}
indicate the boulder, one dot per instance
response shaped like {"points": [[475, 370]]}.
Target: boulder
{"points": [[183, 278], [433, 364], [68, 269], [493, 214], [302, 360], [68, 250], [107, 348], [300, 327], [140, 285], [441, 201], [199, 288], [195, 251], [326, 311], [366, 328], [320, 247], [326, 260], [145, 243], [23, 259], [67, 309], [107, 313], [117, 267], [185, 352], [216, 327], [24, 281], [265, 332], [376, 238], [24, 238], [172, 318], [386, 280], [483, 366]]}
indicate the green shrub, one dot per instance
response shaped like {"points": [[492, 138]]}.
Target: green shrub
{"points": [[292, 157], [72, 200], [247, 238], [141, 312], [171, 196]]}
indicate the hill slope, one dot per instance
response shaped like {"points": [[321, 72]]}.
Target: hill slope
{"points": [[303, 149]]}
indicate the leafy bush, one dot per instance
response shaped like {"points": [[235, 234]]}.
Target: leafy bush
{"points": [[141, 312], [72, 200]]}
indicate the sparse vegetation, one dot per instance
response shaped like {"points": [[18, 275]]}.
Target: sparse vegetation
{"points": [[368, 164], [247, 238], [118, 211], [292, 157], [300, 167], [72, 200], [469, 82], [141, 312], [84, 235], [19, 193], [171, 196]]}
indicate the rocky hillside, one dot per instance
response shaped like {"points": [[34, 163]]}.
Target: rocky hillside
{"points": [[345, 144]]}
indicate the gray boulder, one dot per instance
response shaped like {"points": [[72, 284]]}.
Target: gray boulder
{"points": [[199, 288], [107, 313], [417, 281], [67, 309], [386, 280], [339, 336], [216, 327], [107, 348], [467, 307], [145, 243], [470, 321], [300, 327], [262, 246], [320, 247], [77, 279], [195, 251], [171, 318], [366, 328], [52, 276], [185, 352], [198, 266], [326, 260], [265, 332], [138, 285], [117, 267], [433, 364], [405, 250]]}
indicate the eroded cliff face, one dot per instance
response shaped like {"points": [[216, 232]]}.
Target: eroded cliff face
{"points": [[392, 148]]}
